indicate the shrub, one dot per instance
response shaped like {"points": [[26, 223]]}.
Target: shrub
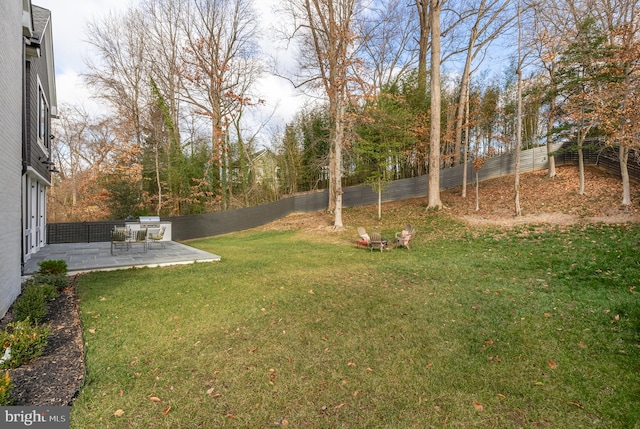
{"points": [[59, 281], [27, 342], [54, 266], [5, 389], [32, 303]]}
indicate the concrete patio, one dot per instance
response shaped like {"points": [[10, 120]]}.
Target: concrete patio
{"points": [[85, 257]]}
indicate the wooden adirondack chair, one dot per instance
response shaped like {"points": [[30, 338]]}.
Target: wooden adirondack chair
{"points": [[377, 242], [364, 238], [403, 238]]}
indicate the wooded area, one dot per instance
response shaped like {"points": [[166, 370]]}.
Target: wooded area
{"points": [[396, 89]]}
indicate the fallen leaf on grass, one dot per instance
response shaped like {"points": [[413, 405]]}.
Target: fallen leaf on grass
{"points": [[231, 416], [478, 406], [311, 291], [489, 341], [166, 411], [119, 413], [350, 362], [92, 331], [155, 399], [577, 404], [582, 345], [210, 391], [552, 364]]}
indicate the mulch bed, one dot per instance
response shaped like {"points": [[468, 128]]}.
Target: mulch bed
{"points": [[54, 378]]}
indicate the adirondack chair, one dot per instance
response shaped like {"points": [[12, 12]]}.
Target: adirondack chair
{"points": [[403, 238], [364, 238], [377, 242]]}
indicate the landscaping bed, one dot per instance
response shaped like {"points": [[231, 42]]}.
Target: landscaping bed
{"points": [[55, 377]]}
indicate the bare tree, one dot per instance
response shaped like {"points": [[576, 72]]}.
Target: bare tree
{"points": [[423, 7], [491, 18], [219, 67], [120, 77], [327, 39], [388, 45], [620, 20], [516, 197]]}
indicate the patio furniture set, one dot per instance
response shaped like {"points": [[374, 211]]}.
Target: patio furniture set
{"points": [[375, 241], [123, 237]]}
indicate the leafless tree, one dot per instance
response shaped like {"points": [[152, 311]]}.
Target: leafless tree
{"points": [[489, 20], [326, 38], [120, 76], [219, 67], [388, 47]]}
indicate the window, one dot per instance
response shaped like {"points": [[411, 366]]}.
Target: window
{"points": [[43, 119]]}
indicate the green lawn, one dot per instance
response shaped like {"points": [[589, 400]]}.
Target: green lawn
{"points": [[471, 328]]}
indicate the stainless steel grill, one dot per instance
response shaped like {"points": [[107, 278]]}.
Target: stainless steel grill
{"points": [[149, 222]]}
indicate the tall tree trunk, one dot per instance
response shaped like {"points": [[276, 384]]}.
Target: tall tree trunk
{"points": [[434, 147], [463, 100], [518, 211], [156, 156], [581, 135], [477, 192], [624, 172], [465, 147], [550, 158], [337, 180], [423, 46]]}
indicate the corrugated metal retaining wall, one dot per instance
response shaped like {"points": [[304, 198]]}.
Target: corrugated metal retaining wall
{"points": [[211, 224]]}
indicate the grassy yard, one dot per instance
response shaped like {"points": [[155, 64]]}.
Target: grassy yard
{"points": [[529, 327]]}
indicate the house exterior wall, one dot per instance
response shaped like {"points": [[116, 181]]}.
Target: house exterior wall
{"points": [[11, 147], [40, 105]]}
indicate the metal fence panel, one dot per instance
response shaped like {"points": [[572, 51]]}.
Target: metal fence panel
{"points": [[212, 224]]}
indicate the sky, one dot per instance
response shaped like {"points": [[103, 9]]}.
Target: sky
{"points": [[69, 24]]}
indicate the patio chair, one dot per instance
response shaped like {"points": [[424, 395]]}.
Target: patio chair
{"points": [[119, 238], [403, 238], [364, 238], [377, 242], [140, 236], [157, 237]]}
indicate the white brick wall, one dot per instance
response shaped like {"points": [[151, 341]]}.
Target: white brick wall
{"points": [[10, 150]]}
